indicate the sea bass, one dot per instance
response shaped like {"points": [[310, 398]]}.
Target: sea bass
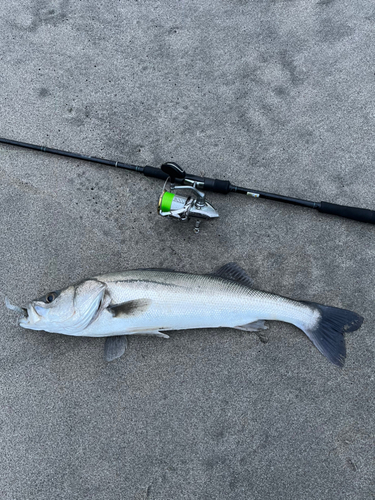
{"points": [[151, 302]]}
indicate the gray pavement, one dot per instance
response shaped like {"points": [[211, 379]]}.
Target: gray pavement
{"points": [[274, 95]]}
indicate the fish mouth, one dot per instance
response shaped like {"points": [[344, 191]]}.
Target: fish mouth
{"points": [[31, 317]]}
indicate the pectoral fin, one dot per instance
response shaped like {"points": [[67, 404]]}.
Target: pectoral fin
{"points": [[115, 347], [253, 327], [129, 308]]}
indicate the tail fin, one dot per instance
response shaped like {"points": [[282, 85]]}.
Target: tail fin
{"points": [[328, 332]]}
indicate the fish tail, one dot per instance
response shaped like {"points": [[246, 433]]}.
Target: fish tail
{"points": [[327, 331]]}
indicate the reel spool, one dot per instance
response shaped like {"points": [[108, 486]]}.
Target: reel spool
{"points": [[175, 206]]}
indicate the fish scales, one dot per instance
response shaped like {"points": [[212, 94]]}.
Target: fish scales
{"points": [[150, 302], [199, 301]]}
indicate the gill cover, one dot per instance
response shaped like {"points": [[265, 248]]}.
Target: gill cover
{"points": [[68, 311]]}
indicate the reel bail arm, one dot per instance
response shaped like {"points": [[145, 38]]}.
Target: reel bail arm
{"points": [[183, 208]]}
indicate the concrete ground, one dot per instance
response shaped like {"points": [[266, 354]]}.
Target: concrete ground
{"points": [[274, 95]]}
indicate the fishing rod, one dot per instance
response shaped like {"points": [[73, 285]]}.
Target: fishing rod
{"points": [[173, 205]]}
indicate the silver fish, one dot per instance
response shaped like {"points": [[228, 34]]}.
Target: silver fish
{"points": [[151, 302]]}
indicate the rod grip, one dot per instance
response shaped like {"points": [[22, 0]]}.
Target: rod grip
{"points": [[216, 185], [359, 214]]}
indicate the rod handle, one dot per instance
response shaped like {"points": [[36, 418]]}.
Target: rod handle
{"points": [[359, 214]]}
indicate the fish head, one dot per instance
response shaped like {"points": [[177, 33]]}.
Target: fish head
{"points": [[67, 311]]}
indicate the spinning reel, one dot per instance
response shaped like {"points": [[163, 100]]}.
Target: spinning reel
{"points": [[175, 206]]}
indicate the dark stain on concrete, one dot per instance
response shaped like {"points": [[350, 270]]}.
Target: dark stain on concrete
{"points": [[281, 91], [291, 68], [51, 13], [77, 115], [325, 2], [43, 92], [332, 32]]}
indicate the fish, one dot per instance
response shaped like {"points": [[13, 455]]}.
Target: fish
{"points": [[155, 301]]}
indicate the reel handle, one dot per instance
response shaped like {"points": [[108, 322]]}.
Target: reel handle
{"points": [[354, 213]]}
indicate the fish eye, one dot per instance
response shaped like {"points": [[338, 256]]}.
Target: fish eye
{"points": [[50, 297]]}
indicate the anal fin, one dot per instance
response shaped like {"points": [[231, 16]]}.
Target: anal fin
{"points": [[156, 333], [255, 326]]}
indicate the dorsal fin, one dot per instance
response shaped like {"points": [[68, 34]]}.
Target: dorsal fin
{"points": [[234, 272]]}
